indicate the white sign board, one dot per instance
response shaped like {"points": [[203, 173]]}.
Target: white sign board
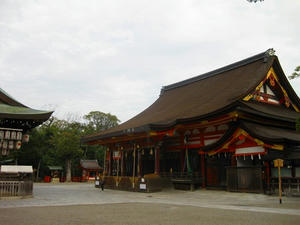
{"points": [[143, 186]]}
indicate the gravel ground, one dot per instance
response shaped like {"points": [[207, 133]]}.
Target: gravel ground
{"points": [[138, 213], [79, 203]]}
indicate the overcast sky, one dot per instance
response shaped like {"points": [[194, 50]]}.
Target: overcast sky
{"points": [[76, 56]]}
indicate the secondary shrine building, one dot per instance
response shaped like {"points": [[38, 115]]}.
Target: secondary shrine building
{"points": [[15, 120], [222, 129]]}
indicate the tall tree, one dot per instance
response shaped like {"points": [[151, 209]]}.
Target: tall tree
{"points": [[39, 150], [57, 142], [98, 121], [66, 142]]}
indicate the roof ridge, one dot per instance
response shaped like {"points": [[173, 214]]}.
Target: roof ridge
{"points": [[264, 55]]}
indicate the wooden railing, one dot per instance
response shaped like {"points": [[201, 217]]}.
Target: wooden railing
{"points": [[15, 188], [289, 185], [179, 175]]}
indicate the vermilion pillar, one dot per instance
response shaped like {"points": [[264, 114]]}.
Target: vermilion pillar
{"points": [[122, 164], [267, 165], [233, 161], [139, 169], [109, 162], [182, 160], [157, 161], [203, 173]]}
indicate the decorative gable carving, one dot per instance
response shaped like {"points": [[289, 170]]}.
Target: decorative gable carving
{"points": [[270, 91]]}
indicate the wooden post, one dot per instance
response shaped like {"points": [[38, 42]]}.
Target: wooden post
{"points": [[109, 163], [203, 183], [157, 161], [122, 164], [104, 166], [182, 156], [268, 180], [279, 163], [233, 161], [118, 162], [133, 169], [139, 163], [279, 183]]}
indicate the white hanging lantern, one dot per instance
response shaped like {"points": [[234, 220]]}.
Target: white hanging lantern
{"points": [[19, 136], [18, 145], [7, 134], [13, 135], [4, 145], [11, 145], [26, 138], [1, 134], [4, 152]]}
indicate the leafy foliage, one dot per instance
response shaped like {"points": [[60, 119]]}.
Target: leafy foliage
{"points": [[57, 142], [99, 121], [296, 73]]}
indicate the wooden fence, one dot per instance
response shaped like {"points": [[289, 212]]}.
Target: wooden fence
{"points": [[15, 188], [245, 179]]}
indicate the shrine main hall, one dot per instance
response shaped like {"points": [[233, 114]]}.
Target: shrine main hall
{"points": [[220, 130]]}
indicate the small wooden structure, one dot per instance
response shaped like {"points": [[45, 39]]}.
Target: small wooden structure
{"points": [[15, 120], [221, 129], [16, 181], [90, 169], [56, 173]]}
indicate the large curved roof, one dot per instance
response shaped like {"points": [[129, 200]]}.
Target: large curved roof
{"points": [[202, 95]]}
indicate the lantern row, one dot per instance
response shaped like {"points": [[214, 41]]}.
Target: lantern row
{"points": [[11, 140]]}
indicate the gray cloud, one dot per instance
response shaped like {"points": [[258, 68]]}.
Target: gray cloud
{"points": [[114, 56]]}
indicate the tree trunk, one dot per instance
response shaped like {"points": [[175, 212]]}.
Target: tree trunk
{"points": [[68, 170], [38, 171]]}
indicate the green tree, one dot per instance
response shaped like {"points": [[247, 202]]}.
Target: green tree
{"points": [[66, 141], [99, 121], [295, 74], [57, 143], [38, 152], [96, 121]]}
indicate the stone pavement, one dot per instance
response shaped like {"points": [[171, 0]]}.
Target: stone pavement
{"points": [[64, 194]]}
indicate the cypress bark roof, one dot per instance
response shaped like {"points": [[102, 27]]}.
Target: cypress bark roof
{"points": [[272, 134], [205, 95], [274, 111]]}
